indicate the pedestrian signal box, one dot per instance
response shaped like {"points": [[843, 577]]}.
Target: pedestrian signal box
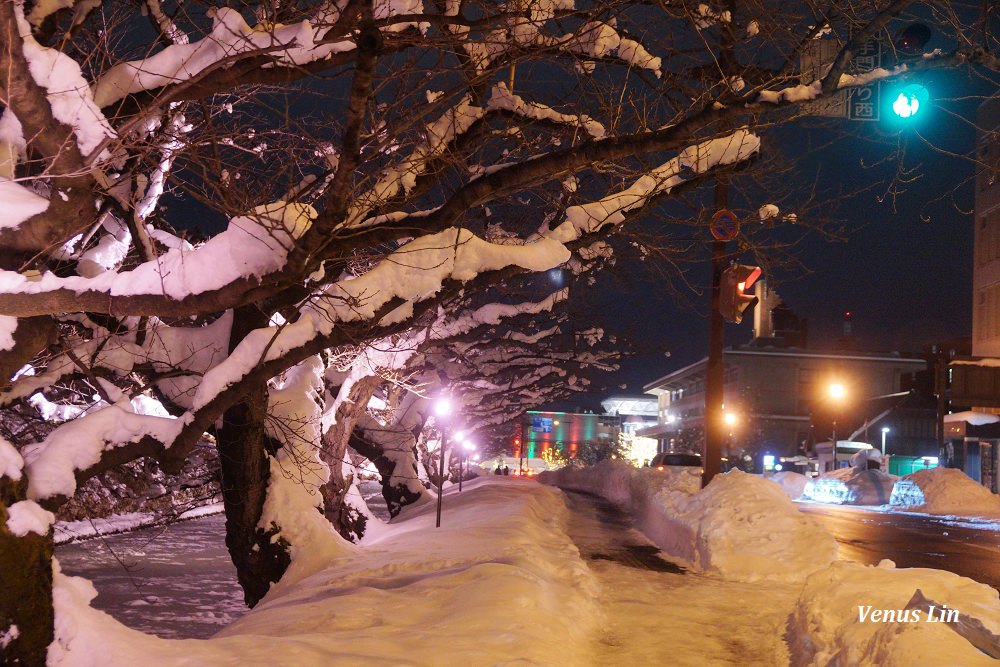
{"points": [[733, 300]]}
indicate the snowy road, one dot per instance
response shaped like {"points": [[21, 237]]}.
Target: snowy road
{"points": [[657, 615], [912, 540], [174, 582]]}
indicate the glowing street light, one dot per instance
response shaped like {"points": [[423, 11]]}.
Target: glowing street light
{"points": [[837, 393], [885, 429], [467, 446], [442, 408]]}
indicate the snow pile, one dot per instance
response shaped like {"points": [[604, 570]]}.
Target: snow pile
{"points": [[27, 516], [498, 583], [944, 491], [739, 527], [70, 531], [866, 458], [851, 486], [792, 482], [826, 627], [623, 484]]}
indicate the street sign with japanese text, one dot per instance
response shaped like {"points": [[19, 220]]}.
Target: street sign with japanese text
{"points": [[861, 103], [864, 101]]}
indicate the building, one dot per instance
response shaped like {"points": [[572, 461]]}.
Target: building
{"points": [[777, 400], [636, 412], [986, 269], [566, 435]]}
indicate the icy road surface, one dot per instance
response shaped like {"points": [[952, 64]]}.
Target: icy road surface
{"points": [[657, 615], [175, 581]]}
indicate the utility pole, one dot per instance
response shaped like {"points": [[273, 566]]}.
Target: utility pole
{"points": [[715, 369]]}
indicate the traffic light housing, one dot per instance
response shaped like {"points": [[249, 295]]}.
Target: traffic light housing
{"points": [[732, 285], [909, 100]]}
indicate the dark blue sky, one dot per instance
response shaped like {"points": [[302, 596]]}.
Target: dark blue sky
{"points": [[905, 273]]}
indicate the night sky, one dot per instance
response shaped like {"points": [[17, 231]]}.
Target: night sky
{"points": [[905, 274]]}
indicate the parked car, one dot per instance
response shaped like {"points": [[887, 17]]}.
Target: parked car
{"points": [[675, 459]]}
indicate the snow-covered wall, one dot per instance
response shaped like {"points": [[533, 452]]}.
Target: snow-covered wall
{"points": [[740, 526], [833, 623], [944, 491]]}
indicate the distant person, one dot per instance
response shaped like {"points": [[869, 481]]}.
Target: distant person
{"points": [[498, 471], [506, 470]]}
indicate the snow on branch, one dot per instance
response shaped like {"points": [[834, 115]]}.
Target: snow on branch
{"points": [[438, 137], [502, 98], [67, 91], [496, 313], [253, 246], [79, 444], [413, 273], [611, 210], [289, 45], [11, 462]]}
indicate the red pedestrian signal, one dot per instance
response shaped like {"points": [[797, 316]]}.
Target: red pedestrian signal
{"points": [[734, 282]]}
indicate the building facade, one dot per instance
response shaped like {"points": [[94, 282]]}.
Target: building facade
{"points": [[986, 269], [777, 400], [567, 434]]}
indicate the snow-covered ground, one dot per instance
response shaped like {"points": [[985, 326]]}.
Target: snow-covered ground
{"points": [[740, 526], [173, 581], [503, 582]]}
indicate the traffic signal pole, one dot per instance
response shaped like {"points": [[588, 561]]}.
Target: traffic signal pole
{"points": [[715, 370]]}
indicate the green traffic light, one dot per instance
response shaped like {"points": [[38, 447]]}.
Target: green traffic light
{"points": [[906, 105], [909, 101]]}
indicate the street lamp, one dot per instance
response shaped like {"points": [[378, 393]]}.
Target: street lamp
{"points": [[837, 393], [730, 419], [885, 429], [442, 408], [467, 446]]}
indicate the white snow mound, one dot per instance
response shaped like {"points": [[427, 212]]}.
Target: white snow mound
{"points": [[499, 582], [826, 627], [792, 482], [851, 486], [944, 491], [740, 527]]}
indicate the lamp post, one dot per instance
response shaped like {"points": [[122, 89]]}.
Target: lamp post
{"points": [[837, 393], [885, 429], [442, 408], [731, 424], [468, 446]]}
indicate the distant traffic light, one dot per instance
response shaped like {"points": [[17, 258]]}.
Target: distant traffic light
{"points": [[911, 40], [732, 284], [908, 100]]}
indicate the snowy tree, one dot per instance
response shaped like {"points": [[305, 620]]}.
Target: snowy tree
{"points": [[368, 177]]}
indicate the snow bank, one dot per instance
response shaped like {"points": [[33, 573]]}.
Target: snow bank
{"points": [[498, 583], [944, 491], [792, 482], [851, 486], [739, 527], [826, 627]]}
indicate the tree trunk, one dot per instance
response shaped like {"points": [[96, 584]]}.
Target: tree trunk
{"points": [[347, 520], [26, 615], [397, 496], [244, 454]]}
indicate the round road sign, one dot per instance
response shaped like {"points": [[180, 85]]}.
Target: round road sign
{"points": [[725, 225]]}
